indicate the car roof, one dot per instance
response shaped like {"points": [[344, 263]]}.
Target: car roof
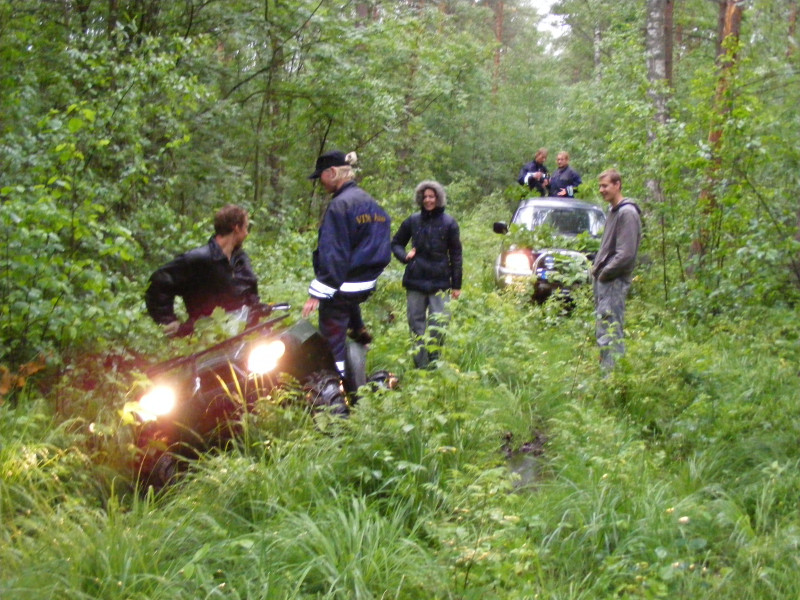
{"points": [[555, 202]]}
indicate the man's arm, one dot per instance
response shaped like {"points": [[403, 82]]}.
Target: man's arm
{"points": [[310, 306], [400, 241], [160, 294], [333, 254], [245, 278], [522, 173], [576, 179]]}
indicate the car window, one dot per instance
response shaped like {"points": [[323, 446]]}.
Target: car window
{"points": [[569, 221], [598, 222]]}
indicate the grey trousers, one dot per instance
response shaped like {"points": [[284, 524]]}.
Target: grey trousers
{"points": [[424, 311], [609, 306]]}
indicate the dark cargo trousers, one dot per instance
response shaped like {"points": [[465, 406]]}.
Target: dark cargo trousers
{"points": [[609, 305], [427, 312], [336, 316]]}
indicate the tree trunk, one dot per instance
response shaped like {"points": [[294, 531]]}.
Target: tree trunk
{"points": [[499, 9], [727, 44], [659, 62], [669, 45], [597, 56], [113, 17], [658, 51], [791, 50], [791, 47], [657, 59], [366, 13]]}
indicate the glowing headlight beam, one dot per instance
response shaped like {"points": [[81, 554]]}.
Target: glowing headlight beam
{"points": [[518, 261], [264, 358], [157, 402]]}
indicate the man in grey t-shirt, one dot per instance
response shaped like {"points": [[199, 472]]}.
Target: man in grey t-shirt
{"points": [[613, 267]]}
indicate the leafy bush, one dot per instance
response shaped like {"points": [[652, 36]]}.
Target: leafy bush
{"points": [[63, 272]]}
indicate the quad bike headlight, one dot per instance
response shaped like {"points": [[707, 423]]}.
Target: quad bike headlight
{"points": [[157, 402], [264, 358]]}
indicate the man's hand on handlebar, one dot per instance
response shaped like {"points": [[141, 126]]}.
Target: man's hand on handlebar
{"points": [[178, 329]]}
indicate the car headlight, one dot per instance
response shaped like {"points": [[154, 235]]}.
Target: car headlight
{"points": [[518, 261], [157, 402], [263, 358]]}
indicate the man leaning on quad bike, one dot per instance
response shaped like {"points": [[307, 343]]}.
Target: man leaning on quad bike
{"points": [[195, 402], [219, 274], [216, 274]]}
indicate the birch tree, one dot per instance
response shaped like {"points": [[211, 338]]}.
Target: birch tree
{"points": [[658, 34]]}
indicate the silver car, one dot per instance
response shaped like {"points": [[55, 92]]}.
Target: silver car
{"points": [[518, 265]]}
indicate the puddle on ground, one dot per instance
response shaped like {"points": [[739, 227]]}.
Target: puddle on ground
{"points": [[525, 460]]}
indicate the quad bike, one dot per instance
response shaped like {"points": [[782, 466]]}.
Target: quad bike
{"points": [[197, 401]]}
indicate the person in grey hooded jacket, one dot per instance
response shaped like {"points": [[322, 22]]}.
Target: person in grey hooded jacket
{"points": [[613, 265], [433, 266]]}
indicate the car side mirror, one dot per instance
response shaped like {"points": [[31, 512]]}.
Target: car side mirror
{"points": [[500, 227]]}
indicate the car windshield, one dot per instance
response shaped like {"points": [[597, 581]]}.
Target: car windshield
{"points": [[567, 221]]}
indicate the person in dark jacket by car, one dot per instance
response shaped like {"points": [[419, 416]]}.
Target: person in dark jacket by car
{"points": [[433, 266], [216, 274], [535, 174], [565, 180], [353, 248]]}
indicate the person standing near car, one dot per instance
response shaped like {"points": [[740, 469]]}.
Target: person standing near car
{"points": [[613, 266], [535, 174], [353, 248], [433, 266], [565, 180], [216, 274]]}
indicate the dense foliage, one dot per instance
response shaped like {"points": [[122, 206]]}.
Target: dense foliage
{"points": [[514, 470]]}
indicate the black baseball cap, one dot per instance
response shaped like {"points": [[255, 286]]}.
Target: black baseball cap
{"points": [[334, 158]]}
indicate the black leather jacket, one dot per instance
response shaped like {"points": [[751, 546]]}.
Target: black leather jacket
{"points": [[205, 279]]}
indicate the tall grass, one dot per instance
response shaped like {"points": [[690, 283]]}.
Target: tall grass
{"points": [[674, 477]]}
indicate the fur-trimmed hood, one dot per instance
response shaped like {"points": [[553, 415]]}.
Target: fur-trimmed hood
{"points": [[438, 189]]}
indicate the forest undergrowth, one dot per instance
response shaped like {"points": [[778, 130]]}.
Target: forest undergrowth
{"points": [[513, 470]]}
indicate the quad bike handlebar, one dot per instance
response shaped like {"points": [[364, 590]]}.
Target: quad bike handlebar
{"points": [[253, 315]]}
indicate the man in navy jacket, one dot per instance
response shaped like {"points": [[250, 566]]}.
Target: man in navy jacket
{"points": [[353, 248], [565, 180], [535, 174]]}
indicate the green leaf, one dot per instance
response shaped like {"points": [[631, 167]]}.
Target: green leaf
{"points": [[75, 124]]}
